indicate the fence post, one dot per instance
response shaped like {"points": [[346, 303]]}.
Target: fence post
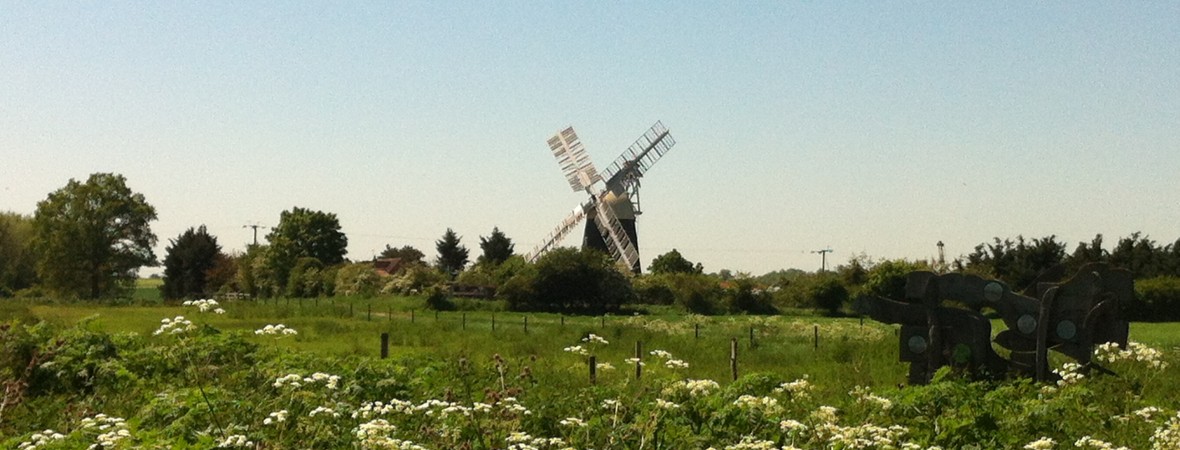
{"points": [[752, 336], [526, 324], [697, 330], [602, 322], [817, 337], [638, 360], [384, 345], [733, 347], [436, 315], [464, 320], [563, 321], [593, 369], [369, 316]]}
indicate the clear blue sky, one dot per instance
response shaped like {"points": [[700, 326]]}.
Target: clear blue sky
{"points": [[870, 127]]}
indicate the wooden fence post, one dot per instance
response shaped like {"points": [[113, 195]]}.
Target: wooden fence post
{"points": [[384, 345], [697, 330], [526, 324], [464, 320], [817, 337], [733, 354], [593, 369], [369, 315], [563, 321], [752, 336], [638, 360], [602, 322]]}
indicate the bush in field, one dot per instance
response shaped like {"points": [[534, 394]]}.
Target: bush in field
{"points": [[438, 300], [571, 281], [359, 279], [696, 293], [887, 278], [1158, 300], [189, 259], [829, 294], [305, 279], [653, 290], [744, 297], [17, 261], [415, 278]]}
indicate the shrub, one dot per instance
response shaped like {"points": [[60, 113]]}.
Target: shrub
{"points": [[1158, 300], [358, 279]]}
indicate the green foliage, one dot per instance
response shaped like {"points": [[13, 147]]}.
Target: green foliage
{"points": [[359, 279], [452, 256], [408, 254], [414, 279], [187, 263], [92, 237], [693, 292], [829, 294], [887, 278], [571, 281], [17, 261], [1017, 263], [743, 296], [438, 300], [306, 279], [673, 262], [497, 248], [1159, 299], [303, 233]]}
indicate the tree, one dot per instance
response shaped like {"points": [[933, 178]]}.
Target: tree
{"points": [[408, 254], [1017, 263], [451, 255], [303, 233], [17, 264], [92, 237], [189, 259], [572, 281], [497, 248], [673, 262]]}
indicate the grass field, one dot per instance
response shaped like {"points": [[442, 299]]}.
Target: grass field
{"points": [[217, 379]]}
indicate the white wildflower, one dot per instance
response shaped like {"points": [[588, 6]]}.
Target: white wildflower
{"points": [[1044, 443]]}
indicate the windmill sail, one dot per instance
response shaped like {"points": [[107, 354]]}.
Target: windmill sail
{"points": [[617, 241], [641, 155], [558, 233], [579, 170]]}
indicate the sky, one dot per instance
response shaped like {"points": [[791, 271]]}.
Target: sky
{"points": [[871, 128]]}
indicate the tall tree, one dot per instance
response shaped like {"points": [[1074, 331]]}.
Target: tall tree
{"points": [[673, 262], [452, 256], [497, 248], [189, 260], [408, 254], [92, 237], [303, 233], [17, 265]]}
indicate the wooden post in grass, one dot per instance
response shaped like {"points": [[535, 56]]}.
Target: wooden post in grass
{"points": [[817, 337], [436, 315], [317, 302], [752, 336], [593, 369], [602, 322], [638, 360], [696, 330], [384, 345], [464, 320], [563, 321], [369, 315], [733, 357], [526, 324]]}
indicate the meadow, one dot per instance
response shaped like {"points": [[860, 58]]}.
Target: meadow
{"points": [[139, 376]]}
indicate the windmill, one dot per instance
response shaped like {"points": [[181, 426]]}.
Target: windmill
{"points": [[614, 196]]}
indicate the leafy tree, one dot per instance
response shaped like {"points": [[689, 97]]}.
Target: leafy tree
{"points": [[305, 279], [1140, 255], [408, 254], [1017, 263], [829, 294], [571, 281], [303, 233], [17, 263], [497, 248], [673, 262], [92, 237], [745, 297], [451, 255], [888, 278], [187, 263]]}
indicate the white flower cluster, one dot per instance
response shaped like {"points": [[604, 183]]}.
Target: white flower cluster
{"points": [[792, 425], [695, 388], [824, 414], [1167, 436], [634, 361], [751, 443], [604, 366], [664, 404], [40, 439], [174, 325], [275, 417], [576, 349], [611, 404], [278, 329], [798, 389], [764, 405], [861, 436], [204, 305], [370, 409], [595, 339], [864, 396], [1110, 352], [1089, 442], [236, 440], [1044, 443], [113, 429], [295, 380], [669, 361], [520, 440], [1070, 373], [573, 422], [323, 410], [375, 435]]}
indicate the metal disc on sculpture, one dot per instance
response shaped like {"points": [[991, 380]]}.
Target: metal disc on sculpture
{"points": [[993, 291], [917, 344], [1026, 324], [1066, 330]]}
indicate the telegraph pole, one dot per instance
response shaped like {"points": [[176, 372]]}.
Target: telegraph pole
{"points": [[255, 226], [823, 255]]}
